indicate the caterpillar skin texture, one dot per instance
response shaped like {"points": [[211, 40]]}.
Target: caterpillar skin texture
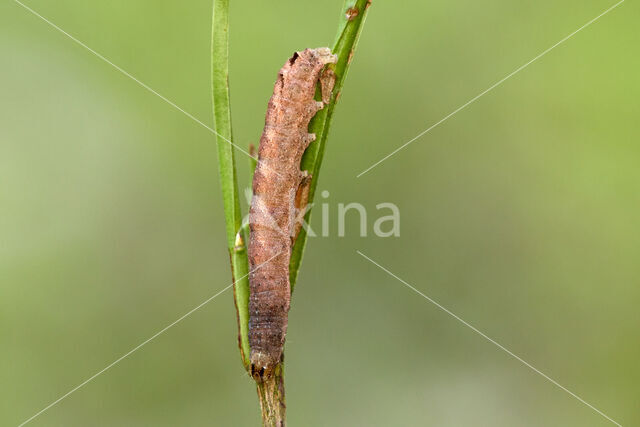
{"points": [[280, 191]]}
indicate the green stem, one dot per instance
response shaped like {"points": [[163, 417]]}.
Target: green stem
{"points": [[226, 165], [349, 28]]}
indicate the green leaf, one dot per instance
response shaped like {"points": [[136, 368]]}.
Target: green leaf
{"points": [[226, 165], [350, 26]]}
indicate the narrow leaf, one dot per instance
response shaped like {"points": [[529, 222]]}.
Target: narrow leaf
{"points": [[350, 26], [226, 165]]}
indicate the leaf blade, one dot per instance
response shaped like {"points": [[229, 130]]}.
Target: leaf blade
{"points": [[349, 29], [227, 170]]}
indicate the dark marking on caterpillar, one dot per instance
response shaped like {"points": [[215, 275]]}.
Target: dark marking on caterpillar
{"points": [[280, 195]]}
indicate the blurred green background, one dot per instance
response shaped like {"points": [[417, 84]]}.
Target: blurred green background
{"points": [[519, 214]]}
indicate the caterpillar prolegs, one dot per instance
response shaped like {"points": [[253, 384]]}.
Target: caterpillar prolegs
{"points": [[280, 192]]}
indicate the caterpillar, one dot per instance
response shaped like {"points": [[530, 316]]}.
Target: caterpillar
{"points": [[280, 193]]}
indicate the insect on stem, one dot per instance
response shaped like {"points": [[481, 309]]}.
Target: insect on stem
{"points": [[279, 197]]}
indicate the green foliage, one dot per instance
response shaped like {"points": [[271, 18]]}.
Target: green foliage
{"points": [[226, 166], [349, 28]]}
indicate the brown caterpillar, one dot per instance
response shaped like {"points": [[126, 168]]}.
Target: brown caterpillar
{"points": [[280, 192]]}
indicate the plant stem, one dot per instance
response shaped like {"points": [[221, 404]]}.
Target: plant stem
{"points": [[272, 402], [349, 28], [226, 165]]}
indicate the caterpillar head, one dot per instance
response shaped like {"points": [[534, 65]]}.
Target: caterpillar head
{"points": [[262, 366]]}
